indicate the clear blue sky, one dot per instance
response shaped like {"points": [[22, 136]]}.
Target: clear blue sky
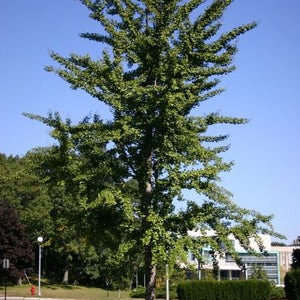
{"points": [[265, 89]]}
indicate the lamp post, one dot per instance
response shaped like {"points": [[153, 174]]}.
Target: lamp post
{"points": [[40, 240], [167, 282], [5, 267]]}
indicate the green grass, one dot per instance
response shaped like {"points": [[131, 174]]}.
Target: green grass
{"points": [[63, 291]]}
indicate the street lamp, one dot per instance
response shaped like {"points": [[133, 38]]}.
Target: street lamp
{"points": [[40, 240], [5, 267], [167, 282]]}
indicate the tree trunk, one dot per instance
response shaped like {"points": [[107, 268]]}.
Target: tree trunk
{"points": [[150, 275], [150, 267], [66, 273], [19, 282], [66, 277]]}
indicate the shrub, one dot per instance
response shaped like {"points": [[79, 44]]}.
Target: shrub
{"points": [[296, 259], [292, 284], [138, 293], [159, 293], [277, 292], [224, 290]]}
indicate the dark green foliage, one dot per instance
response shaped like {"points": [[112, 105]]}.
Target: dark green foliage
{"points": [[159, 292], [281, 244], [296, 259], [45, 187], [224, 290], [14, 243], [258, 273], [82, 240], [25, 190], [292, 284], [140, 292], [277, 292]]}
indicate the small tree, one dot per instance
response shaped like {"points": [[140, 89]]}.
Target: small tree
{"points": [[292, 284], [296, 259], [258, 273], [14, 243]]}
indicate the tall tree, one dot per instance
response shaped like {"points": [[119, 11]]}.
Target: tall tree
{"points": [[162, 60]]}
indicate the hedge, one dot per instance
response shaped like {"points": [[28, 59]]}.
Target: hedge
{"points": [[292, 284], [224, 290]]}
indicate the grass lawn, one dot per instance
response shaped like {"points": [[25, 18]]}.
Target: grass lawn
{"points": [[63, 291]]}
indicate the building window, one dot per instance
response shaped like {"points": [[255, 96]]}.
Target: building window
{"points": [[224, 274], [235, 274]]}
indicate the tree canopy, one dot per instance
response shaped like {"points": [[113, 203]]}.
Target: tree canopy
{"points": [[161, 60]]}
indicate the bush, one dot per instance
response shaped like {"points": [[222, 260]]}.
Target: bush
{"points": [[296, 259], [292, 284], [140, 292], [159, 293], [277, 292], [224, 290]]}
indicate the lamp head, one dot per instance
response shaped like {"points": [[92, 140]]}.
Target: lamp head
{"points": [[40, 239]]}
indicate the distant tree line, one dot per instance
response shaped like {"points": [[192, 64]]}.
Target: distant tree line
{"points": [[38, 198]]}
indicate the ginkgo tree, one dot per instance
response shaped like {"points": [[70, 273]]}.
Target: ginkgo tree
{"points": [[161, 60]]}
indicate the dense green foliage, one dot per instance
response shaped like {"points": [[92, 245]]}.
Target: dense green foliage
{"points": [[162, 59], [258, 273], [296, 259], [224, 290], [24, 190], [277, 292], [160, 293], [292, 284], [280, 244], [48, 207]]}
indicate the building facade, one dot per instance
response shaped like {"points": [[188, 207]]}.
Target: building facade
{"points": [[285, 258], [266, 261]]}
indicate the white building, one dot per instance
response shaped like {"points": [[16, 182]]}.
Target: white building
{"points": [[267, 260], [285, 258]]}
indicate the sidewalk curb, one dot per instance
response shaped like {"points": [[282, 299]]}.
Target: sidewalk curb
{"points": [[32, 298]]}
